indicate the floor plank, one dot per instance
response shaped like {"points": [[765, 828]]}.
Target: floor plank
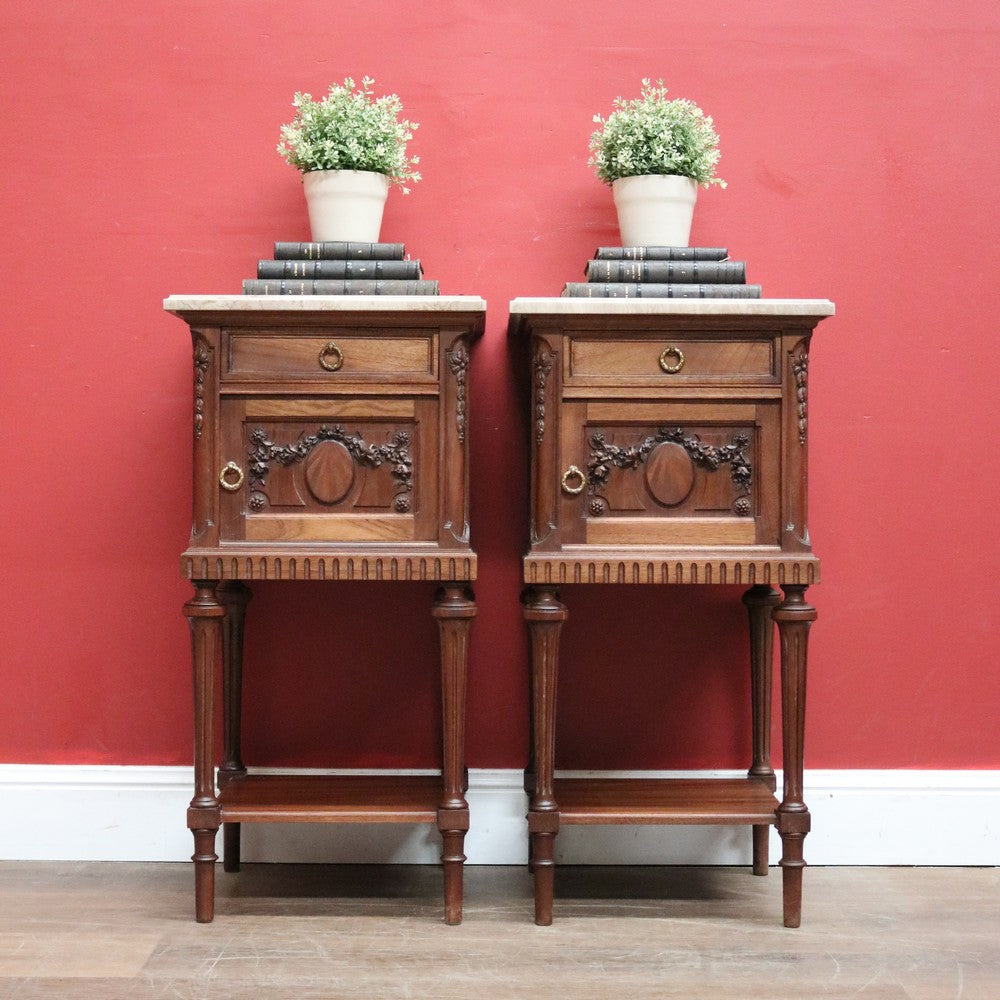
{"points": [[312, 932]]}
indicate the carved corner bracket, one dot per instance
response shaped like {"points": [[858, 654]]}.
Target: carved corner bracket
{"points": [[544, 360], [458, 365], [263, 452], [202, 359], [799, 358]]}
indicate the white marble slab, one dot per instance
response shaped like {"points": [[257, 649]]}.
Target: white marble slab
{"points": [[568, 305], [323, 303]]}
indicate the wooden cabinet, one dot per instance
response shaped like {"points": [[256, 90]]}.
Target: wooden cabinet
{"points": [[669, 445], [330, 443]]}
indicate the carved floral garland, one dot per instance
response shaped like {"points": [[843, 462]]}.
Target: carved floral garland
{"points": [[263, 451], [604, 456]]}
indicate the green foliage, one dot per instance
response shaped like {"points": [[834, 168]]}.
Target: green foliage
{"points": [[651, 135], [350, 129]]}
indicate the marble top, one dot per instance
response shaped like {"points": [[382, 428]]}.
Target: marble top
{"points": [[568, 305], [323, 303]]}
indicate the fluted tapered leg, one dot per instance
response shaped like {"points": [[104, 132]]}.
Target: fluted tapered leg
{"points": [[793, 616], [544, 614], [454, 609], [760, 602], [204, 614], [234, 597]]}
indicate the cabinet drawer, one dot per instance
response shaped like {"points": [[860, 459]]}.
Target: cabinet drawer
{"points": [[333, 355], [669, 360]]}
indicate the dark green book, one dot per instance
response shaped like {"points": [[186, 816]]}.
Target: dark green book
{"points": [[338, 251], [661, 253], [705, 272], [656, 290], [326, 269], [345, 286]]}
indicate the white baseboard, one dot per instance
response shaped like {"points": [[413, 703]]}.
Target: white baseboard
{"points": [[888, 817]]}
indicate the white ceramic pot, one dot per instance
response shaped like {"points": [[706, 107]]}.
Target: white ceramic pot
{"points": [[655, 210], [345, 204]]}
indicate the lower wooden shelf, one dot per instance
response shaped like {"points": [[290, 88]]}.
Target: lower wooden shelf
{"points": [[664, 800], [289, 798]]}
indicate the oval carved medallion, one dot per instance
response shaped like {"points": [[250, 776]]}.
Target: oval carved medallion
{"points": [[330, 472], [669, 474]]}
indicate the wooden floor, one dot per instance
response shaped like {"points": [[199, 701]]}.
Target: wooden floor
{"points": [[113, 931]]}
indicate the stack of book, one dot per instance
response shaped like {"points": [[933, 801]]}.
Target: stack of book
{"points": [[663, 273], [339, 269]]}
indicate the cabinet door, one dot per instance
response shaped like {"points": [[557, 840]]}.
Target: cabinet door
{"points": [[344, 470], [669, 473]]}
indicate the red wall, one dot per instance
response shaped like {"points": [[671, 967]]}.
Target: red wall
{"points": [[859, 143]]}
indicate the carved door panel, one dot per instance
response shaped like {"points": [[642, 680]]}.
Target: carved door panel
{"points": [[669, 473], [329, 470]]}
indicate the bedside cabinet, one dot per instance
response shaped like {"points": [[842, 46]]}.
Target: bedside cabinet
{"points": [[669, 443], [330, 442]]}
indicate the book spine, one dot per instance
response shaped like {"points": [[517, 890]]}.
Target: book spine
{"points": [[346, 286], [696, 272], [327, 269], [338, 251], [656, 290], [661, 253]]}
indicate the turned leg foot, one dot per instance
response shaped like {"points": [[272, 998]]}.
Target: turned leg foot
{"points": [[453, 861], [204, 859], [791, 877], [231, 847], [761, 836], [544, 869]]}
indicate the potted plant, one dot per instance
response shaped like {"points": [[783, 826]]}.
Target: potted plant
{"points": [[350, 146], [655, 153]]}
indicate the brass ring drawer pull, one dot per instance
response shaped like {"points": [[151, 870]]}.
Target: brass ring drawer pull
{"points": [[573, 473], [225, 480], [672, 352], [331, 357]]}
